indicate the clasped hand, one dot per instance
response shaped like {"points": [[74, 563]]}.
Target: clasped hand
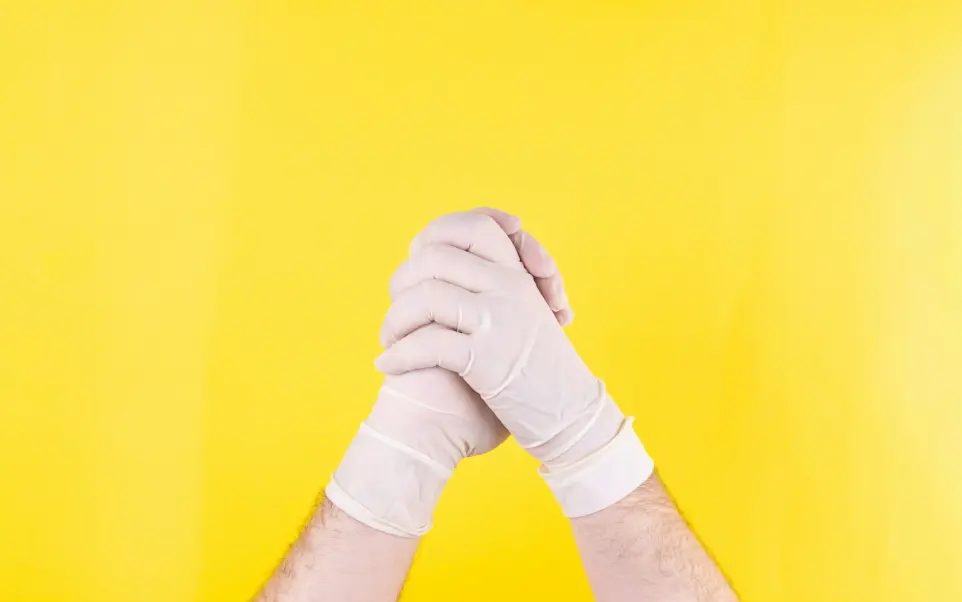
{"points": [[474, 350]]}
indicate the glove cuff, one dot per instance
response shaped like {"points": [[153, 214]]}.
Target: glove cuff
{"points": [[387, 485], [603, 478]]}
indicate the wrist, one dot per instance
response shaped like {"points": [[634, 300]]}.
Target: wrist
{"points": [[649, 501], [388, 485], [590, 432], [603, 463], [587, 421]]}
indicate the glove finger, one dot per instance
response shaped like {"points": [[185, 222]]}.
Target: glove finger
{"points": [[536, 260], [553, 291], [542, 266], [533, 255], [474, 232], [446, 263], [427, 302], [428, 348]]}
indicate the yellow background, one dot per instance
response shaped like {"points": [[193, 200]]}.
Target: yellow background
{"points": [[757, 207]]}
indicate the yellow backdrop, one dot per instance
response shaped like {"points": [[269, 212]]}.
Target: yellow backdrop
{"points": [[757, 207]]}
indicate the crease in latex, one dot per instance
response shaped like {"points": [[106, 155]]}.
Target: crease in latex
{"points": [[595, 414], [592, 412], [592, 458], [440, 469], [361, 513], [470, 364], [517, 367], [415, 402]]}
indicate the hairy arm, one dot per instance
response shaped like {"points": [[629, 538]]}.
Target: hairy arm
{"points": [[641, 549], [359, 544], [338, 558]]}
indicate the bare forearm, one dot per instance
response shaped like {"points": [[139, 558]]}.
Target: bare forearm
{"points": [[338, 558], [640, 549]]}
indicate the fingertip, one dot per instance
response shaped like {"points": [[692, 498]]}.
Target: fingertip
{"points": [[382, 363], [565, 316]]}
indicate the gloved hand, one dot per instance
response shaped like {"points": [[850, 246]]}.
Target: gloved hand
{"points": [[426, 421], [501, 336]]}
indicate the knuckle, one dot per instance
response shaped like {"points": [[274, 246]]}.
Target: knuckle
{"points": [[416, 242], [444, 224], [433, 231], [392, 285], [398, 277], [436, 255], [484, 224]]}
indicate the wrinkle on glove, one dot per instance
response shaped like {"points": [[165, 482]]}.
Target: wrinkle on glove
{"points": [[422, 425], [373, 459]]}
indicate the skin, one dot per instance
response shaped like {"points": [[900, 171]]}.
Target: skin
{"points": [[642, 549], [637, 549], [338, 558]]}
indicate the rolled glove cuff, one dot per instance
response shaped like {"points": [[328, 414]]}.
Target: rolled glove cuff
{"points": [[603, 478], [387, 485]]}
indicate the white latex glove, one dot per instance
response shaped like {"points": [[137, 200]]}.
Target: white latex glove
{"points": [[505, 341], [426, 421], [533, 255], [422, 424]]}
